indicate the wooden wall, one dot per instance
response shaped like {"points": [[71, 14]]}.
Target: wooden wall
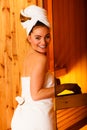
{"points": [[13, 47]]}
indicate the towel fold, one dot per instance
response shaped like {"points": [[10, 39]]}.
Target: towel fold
{"points": [[35, 13], [20, 100]]}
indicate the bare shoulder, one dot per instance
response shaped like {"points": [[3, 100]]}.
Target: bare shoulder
{"points": [[40, 58], [40, 61], [35, 62], [39, 67]]}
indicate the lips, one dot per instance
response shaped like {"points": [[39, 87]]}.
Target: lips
{"points": [[43, 47]]}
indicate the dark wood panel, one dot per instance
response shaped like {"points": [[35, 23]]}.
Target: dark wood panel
{"points": [[69, 32], [69, 101]]}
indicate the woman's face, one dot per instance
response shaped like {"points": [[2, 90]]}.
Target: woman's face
{"points": [[39, 38]]}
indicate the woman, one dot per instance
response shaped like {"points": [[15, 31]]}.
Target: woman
{"points": [[35, 108]]}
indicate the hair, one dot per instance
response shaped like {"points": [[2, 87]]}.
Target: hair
{"points": [[37, 25], [24, 19]]}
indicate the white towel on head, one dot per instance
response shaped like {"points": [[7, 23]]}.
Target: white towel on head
{"points": [[36, 13]]}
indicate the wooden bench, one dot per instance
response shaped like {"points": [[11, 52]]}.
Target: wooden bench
{"points": [[70, 111]]}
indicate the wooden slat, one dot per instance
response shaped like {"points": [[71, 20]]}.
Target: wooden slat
{"points": [[70, 101], [69, 117]]}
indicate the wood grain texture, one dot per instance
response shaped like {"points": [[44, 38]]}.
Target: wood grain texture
{"points": [[13, 47]]}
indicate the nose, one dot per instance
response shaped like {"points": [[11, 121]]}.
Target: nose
{"points": [[43, 41]]}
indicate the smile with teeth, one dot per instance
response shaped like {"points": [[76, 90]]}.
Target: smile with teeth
{"points": [[43, 46]]}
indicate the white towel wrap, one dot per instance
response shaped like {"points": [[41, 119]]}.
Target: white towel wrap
{"points": [[36, 13]]}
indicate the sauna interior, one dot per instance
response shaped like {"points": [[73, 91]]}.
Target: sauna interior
{"points": [[67, 55]]}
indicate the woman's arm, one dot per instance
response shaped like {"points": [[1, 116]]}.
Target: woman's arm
{"points": [[38, 79]]}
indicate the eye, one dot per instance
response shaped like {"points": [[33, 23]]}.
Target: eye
{"points": [[38, 37], [47, 36]]}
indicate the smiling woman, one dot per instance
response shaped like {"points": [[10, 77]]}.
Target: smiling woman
{"points": [[39, 38], [35, 109]]}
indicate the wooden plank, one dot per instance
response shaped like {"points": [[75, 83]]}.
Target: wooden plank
{"points": [[70, 116], [68, 101]]}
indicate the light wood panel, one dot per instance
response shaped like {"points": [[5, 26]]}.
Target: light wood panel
{"points": [[13, 48]]}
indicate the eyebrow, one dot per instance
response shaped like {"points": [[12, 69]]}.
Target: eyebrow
{"points": [[40, 35]]}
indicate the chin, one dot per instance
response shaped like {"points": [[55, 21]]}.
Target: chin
{"points": [[43, 51]]}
